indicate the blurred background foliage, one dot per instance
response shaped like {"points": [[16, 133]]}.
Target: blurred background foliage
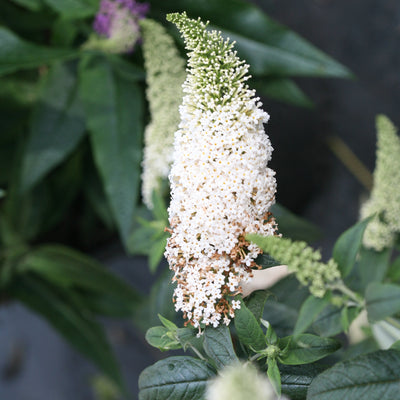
{"points": [[72, 123]]}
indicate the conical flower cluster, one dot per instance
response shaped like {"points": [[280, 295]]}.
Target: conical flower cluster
{"points": [[165, 74], [221, 188], [385, 196]]}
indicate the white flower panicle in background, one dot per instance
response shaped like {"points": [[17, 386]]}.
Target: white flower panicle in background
{"points": [[165, 71], [240, 382], [221, 188], [385, 196]]}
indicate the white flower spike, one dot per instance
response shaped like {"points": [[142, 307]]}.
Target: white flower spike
{"points": [[221, 188]]}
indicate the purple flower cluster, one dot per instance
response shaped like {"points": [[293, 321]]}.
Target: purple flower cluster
{"points": [[114, 9]]}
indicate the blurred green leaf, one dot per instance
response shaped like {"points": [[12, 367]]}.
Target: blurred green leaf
{"points": [[347, 247], [294, 227], [68, 268], [218, 346], [382, 300], [33, 5], [184, 377], [267, 46], [394, 270], [114, 108], [74, 8], [16, 54], [282, 89], [306, 348], [374, 376], [329, 321], [57, 125], [308, 313], [157, 250], [371, 266], [79, 328]]}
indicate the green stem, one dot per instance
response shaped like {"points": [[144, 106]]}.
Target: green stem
{"points": [[348, 292]]}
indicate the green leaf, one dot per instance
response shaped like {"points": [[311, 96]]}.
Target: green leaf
{"points": [[157, 250], [183, 378], [33, 5], [394, 270], [282, 89], [167, 323], [306, 348], [68, 268], [160, 337], [77, 326], [74, 8], [347, 246], [386, 332], [293, 226], [256, 302], [267, 46], [274, 375], [116, 135], [218, 346], [16, 54], [296, 379], [329, 321], [188, 339], [308, 313], [374, 376], [248, 329], [396, 345], [56, 128], [371, 266], [382, 300], [281, 316]]}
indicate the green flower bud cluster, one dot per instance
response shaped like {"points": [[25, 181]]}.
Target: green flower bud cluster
{"points": [[165, 74], [385, 195], [301, 260]]}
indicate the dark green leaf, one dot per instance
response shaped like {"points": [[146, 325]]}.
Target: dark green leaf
{"points": [[282, 89], [160, 337], [57, 126], [266, 261], [256, 302], [16, 54], [293, 226], [306, 348], [297, 378], [188, 339], [218, 346], [70, 269], [267, 46], [281, 316], [33, 5], [274, 375], [248, 329], [308, 313], [74, 8], [77, 327], [116, 135], [126, 69], [329, 321], [347, 246], [373, 376], [371, 266], [183, 378], [394, 270], [382, 300]]}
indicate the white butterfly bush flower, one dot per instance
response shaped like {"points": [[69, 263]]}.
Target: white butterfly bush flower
{"points": [[165, 75], [221, 188]]}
